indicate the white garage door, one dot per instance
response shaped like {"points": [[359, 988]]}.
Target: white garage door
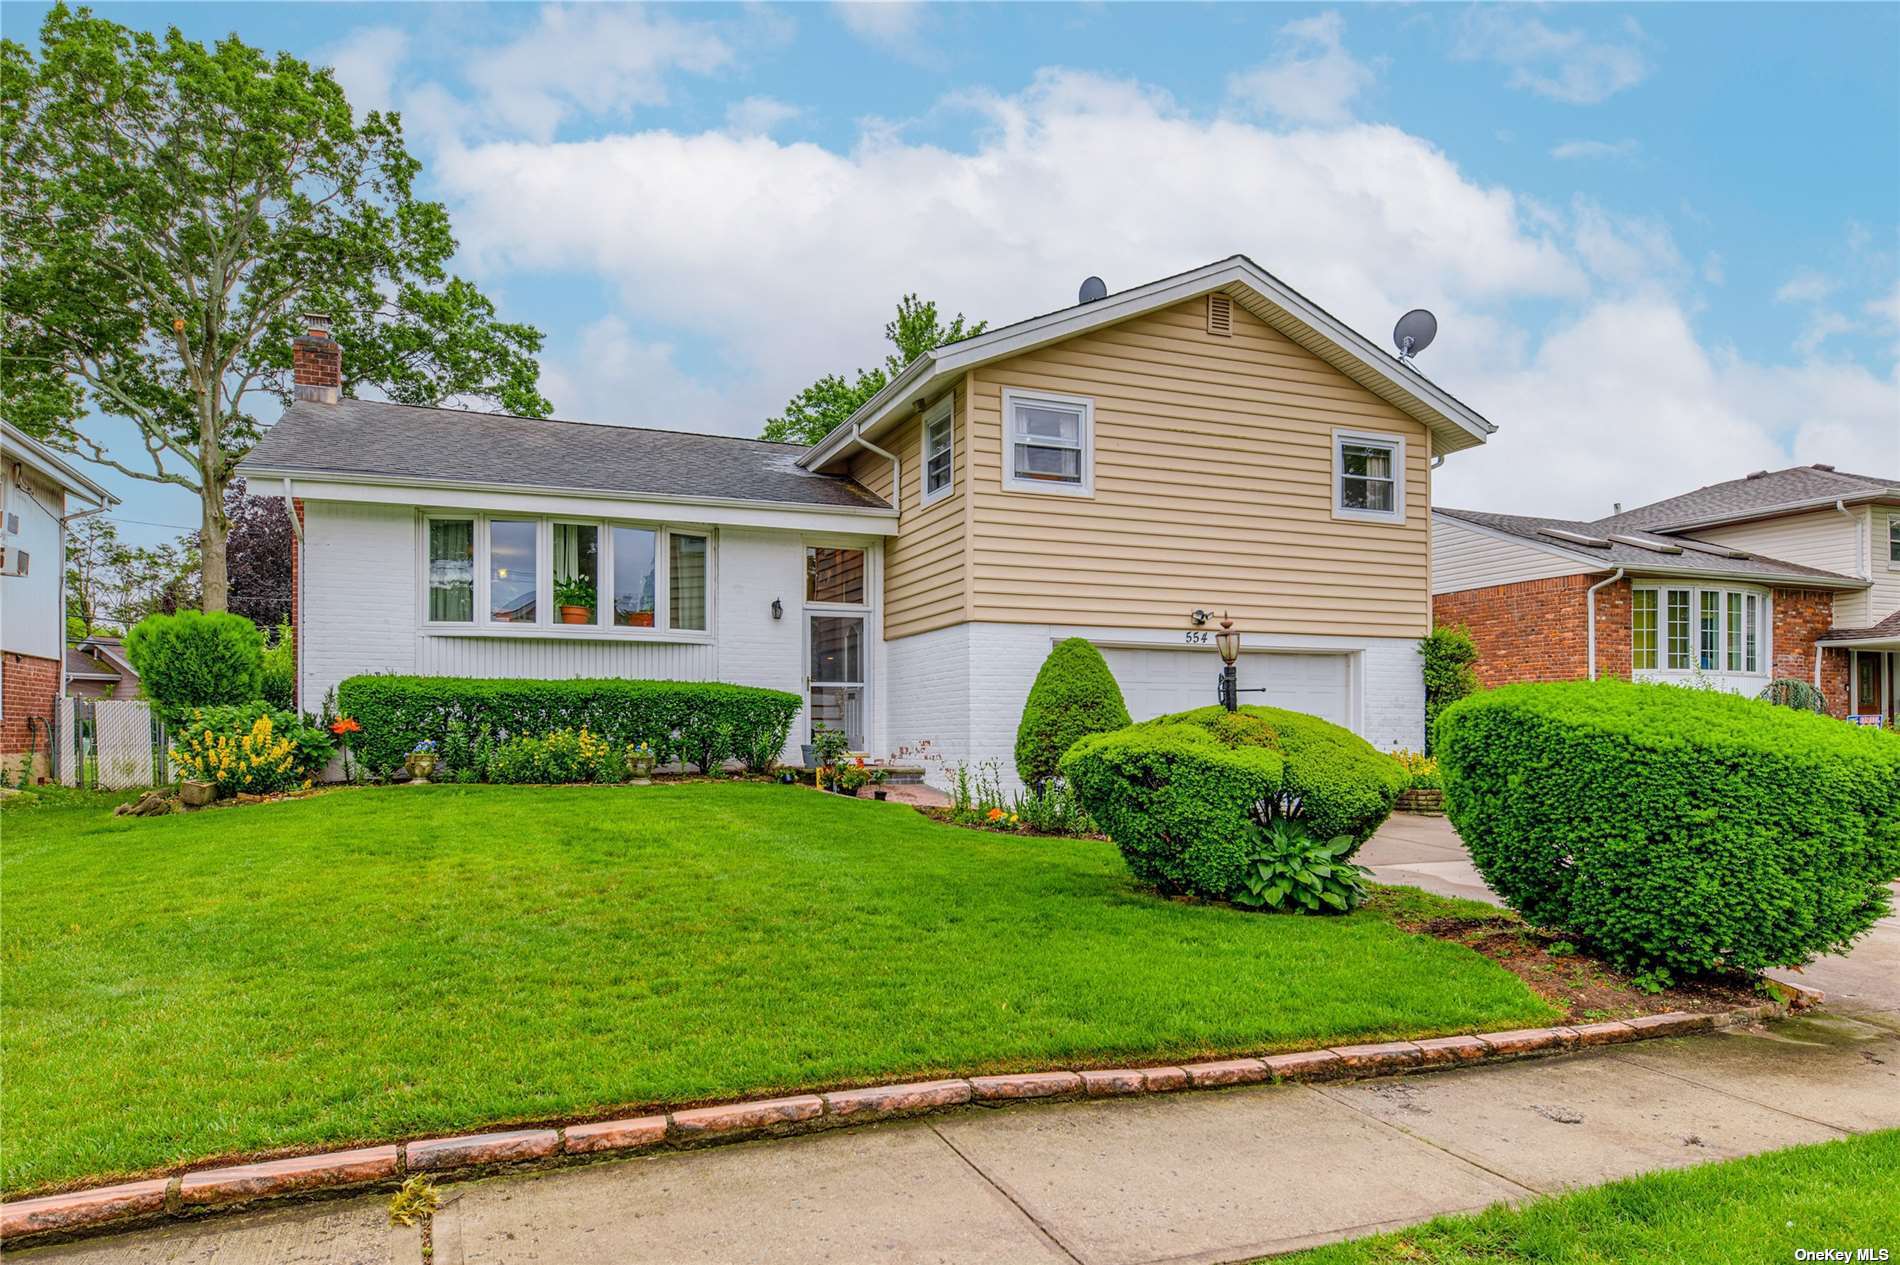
{"points": [[1155, 682]]}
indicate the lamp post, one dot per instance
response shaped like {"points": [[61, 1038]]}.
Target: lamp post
{"points": [[1227, 641]]}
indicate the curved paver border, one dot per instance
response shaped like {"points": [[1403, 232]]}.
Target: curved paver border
{"points": [[223, 1187]]}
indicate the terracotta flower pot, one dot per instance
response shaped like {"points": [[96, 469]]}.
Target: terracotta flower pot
{"points": [[576, 615]]}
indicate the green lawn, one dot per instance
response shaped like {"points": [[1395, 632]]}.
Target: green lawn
{"points": [[408, 960], [1836, 1195]]}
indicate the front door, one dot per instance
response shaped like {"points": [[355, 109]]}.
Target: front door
{"points": [[835, 675]]}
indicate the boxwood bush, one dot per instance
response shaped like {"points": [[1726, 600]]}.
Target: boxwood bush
{"points": [[695, 722], [1682, 832], [1075, 695], [192, 659], [1176, 801]]}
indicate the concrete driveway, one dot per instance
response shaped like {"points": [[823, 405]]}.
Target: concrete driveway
{"points": [[1426, 852]]}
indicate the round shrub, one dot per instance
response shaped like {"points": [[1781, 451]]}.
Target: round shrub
{"points": [[1344, 785], [1679, 831], [1075, 695], [192, 659], [1176, 801]]}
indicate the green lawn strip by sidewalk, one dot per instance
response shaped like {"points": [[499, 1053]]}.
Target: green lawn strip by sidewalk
{"points": [[1839, 1195], [371, 964]]}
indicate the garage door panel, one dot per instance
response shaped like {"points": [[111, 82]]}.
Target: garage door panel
{"points": [[1156, 682]]}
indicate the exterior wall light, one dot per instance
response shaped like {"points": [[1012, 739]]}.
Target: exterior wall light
{"points": [[778, 609]]}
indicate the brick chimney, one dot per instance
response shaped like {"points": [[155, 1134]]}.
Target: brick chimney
{"points": [[317, 361]]}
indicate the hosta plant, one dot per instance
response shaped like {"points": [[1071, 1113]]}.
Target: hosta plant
{"points": [[1293, 871]]}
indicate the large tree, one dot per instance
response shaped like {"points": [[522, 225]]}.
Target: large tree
{"points": [[111, 585], [258, 557], [813, 412], [170, 209]]}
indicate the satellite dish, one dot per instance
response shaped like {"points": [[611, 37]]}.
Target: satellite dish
{"points": [[1093, 288], [1414, 332]]}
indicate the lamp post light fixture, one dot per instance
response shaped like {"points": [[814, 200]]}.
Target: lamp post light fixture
{"points": [[1227, 641]]}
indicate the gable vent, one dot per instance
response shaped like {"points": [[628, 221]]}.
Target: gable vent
{"points": [[1220, 315]]}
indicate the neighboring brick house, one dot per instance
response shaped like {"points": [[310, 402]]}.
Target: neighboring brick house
{"points": [[38, 491], [1786, 573]]}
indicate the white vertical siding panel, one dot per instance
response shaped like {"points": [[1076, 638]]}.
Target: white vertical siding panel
{"points": [[1465, 558]]}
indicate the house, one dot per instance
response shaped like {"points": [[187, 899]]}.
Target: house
{"points": [[1784, 573], [40, 494], [97, 668], [1127, 469]]}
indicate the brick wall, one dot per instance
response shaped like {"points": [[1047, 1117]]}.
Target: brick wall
{"points": [[1537, 630], [1801, 615], [27, 690]]}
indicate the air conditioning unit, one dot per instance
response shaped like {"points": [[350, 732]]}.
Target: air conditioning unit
{"points": [[13, 562]]}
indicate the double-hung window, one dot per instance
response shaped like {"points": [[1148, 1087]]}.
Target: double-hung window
{"points": [[1696, 630], [496, 571], [1049, 443], [939, 451], [1368, 476], [1893, 540]]}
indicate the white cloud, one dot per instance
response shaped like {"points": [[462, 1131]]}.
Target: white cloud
{"points": [[756, 116], [1805, 286], [1624, 250], [890, 24], [589, 60], [612, 374], [1311, 79], [1564, 65], [1596, 149], [1822, 325], [366, 61], [1713, 271]]}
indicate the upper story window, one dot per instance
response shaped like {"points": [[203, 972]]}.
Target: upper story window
{"points": [[542, 573], [1049, 443], [1697, 630], [939, 454], [1893, 540], [1369, 476]]}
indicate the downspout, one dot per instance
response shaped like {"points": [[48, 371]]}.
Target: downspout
{"points": [[296, 630], [897, 467], [1590, 601]]}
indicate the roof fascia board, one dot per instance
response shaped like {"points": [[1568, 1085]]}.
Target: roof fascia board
{"points": [[1664, 575], [971, 353], [31, 452], [445, 494]]}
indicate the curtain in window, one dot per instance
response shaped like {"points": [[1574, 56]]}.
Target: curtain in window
{"points": [[451, 571], [686, 582]]}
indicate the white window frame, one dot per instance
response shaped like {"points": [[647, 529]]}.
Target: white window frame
{"points": [[547, 620], [1012, 396], [1762, 628], [1893, 541], [944, 412], [1372, 438]]}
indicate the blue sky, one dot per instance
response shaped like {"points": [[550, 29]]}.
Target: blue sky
{"points": [[1661, 239]]}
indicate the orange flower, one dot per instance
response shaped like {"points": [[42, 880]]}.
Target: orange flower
{"points": [[345, 725], [996, 814]]}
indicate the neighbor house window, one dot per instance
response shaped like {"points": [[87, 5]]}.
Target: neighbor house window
{"points": [[939, 459], [686, 582], [1048, 440], [452, 570], [1893, 540], [636, 576], [511, 570], [834, 575], [1368, 476], [1708, 630]]}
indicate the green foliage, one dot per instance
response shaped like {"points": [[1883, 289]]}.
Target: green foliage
{"points": [[575, 591], [196, 660], [171, 208], [1176, 801], [277, 683], [704, 723], [1336, 781], [1421, 771], [1679, 831], [560, 757], [252, 747], [811, 414], [979, 800], [1449, 654], [1792, 691], [828, 745], [1293, 871], [1074, 695]]}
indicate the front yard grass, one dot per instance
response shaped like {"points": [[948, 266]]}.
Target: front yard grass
{"points": [[1831, 1195], [402, 961]]}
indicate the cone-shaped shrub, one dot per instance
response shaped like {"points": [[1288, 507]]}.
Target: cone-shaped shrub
{"points": [[1676, 829], [1075, 695]]}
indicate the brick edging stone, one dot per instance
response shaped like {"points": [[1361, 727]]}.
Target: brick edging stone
{"points": [[363, 1168]]}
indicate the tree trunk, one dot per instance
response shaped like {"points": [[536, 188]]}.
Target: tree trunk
{"points": [[215, 580]]}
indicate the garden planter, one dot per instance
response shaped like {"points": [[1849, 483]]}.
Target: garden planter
{"points": [[639, 619], [576, 615], [804, 754], [879, 795], [196, 794], [420, 765], [640, 768]]}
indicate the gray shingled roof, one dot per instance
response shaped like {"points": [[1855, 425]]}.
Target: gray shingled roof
{"points": [[1888, 627], [1758, 494], [397, 441], [1696, 556]]}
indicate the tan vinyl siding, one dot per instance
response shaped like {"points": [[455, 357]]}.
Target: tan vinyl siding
{"points": [[1213, 488], [1883, 599], [924, 563], [1822, 538], [1463, 557]]}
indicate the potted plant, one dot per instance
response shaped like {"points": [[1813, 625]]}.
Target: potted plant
{"points": [[640, 764], [850, 778], [574, 597], [420, 762], [827, 747], [878, 778]]}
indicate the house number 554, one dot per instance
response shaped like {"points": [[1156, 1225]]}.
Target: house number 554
{"points": [[1196, 638]]}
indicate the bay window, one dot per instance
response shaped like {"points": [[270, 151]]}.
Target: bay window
{"points": [[542, 574], [1696, 630]]}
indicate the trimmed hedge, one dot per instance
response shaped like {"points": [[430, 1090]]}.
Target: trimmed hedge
{"points": [[192, 659], [1344, 785], [696, 722], [1677, 830], [1075, 695], [1176, 801]]}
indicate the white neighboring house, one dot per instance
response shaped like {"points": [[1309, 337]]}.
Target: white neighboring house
{"points": [[1211, 442], [40, 495]]}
